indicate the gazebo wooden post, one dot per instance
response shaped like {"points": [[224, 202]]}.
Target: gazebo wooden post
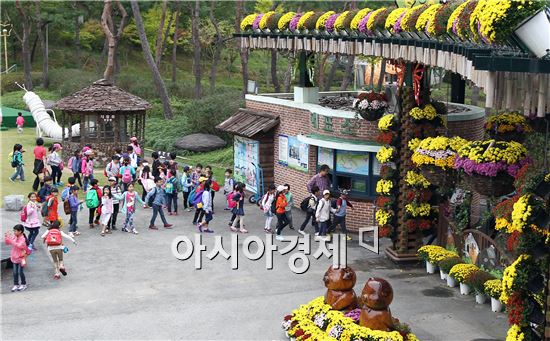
{"points": [[63, 126], [83, 129], [70, 139], [144, 117], [116, 130]]}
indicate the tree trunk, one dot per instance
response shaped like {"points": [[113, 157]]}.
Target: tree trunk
{"points": [[217, 48], [475, 96], [45, 57], [332, 72], [166, 34], [158, 42], [175, 45], [197, 48], [26, 50], [382, 75], [77, 42], [274, 77], [288, 74], [348, 74], [111, 38], [159, 83], [34, 44], [242, 52]]}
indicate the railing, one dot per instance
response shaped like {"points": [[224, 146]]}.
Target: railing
{"points": [[11, 68], [484, 242]]}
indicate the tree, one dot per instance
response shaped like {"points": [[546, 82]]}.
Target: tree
{"points": [[24, 38], [195, 10], [112, 38], [42, 25], [217, 47], [243, 52], [159, 83], [158, 41], [348, 74], [332, 72], [175, 44]]}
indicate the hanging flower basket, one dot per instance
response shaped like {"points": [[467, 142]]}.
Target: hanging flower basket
{"points": [[371, 115], [371, 105], [439, 177], [509, 136], [511, 126], [497, 186]]}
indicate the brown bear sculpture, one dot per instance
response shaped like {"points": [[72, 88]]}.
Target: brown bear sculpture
{"points": [[376, 298], [339, 283]]}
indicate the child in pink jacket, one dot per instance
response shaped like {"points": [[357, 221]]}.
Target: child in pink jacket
{"points": [[34, 218], [19, 252]]}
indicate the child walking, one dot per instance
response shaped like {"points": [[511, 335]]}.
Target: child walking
{"points": [[55, 161], [147, 181], [280, 210], [116, 191], [206, 207], [32, 219], [322, 215], [127, 173], [106, 210], [157, 199], [52, 201], [267, 202], [20, 122], [238, 211], [185, 184], [93, 198], [75, 205], [17, 163], [129, 208], [342, 204], [75, 165], [228, 185], [310, 211], [88, 168], [171, 189], [19, 252], [53, 238]]}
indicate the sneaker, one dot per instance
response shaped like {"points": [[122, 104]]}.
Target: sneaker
{"points": [[22, 287], [124, 229], [316, 234], [11, 181], [71, 234], [348, 238], [92, 226], [291, 227], [153, 227], [175, 213], [169, 213], [243, 230], [15, 288], [317, 238], [233, 229], [188, 210], [301, 232], [63, 271], [56, 276], [76, 233], [134, 231], [279, 237], [168, 226], [268, 230]]}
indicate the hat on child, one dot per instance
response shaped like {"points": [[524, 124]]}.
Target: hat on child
{"points": [[112, 178], [326, 191], [202, 178], [281, 188], [186, 168]]}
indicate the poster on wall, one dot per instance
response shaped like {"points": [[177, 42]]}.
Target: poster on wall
{"points": [[352, 162], [325, 156], [293, 153], [246, 156]]}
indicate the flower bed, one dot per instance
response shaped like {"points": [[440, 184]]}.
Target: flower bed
{"points": [[317, 321]]}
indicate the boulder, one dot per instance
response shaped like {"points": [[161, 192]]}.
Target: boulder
{"points": [[200, 142], [13, 202]]}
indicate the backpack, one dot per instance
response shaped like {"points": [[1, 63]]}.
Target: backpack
{"points": [[151, 199], [169, 186], [263, 201], [305, 204], [191, 196], [92, 199], [14, 162], [231, 203], [76, 166], [109, 167], [65, 193], [44, 192], [44, 208], [66, 207], [127, 175], [23, 214], [54, 238], [198, 198]]}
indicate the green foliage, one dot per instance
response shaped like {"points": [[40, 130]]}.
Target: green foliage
{"points": [[14, 99], [92, 36], [151, 21], [66, 81], [8, 80]]}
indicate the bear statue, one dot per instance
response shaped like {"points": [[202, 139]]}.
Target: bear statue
{"points": [[340, 294], [376, 298]]}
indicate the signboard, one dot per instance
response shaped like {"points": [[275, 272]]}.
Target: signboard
{"points": [[293, 153], [325, 156], [246, 158], [352, 162]]}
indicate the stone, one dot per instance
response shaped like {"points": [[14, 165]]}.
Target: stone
{"points": [[13, 202], [200, 142]]}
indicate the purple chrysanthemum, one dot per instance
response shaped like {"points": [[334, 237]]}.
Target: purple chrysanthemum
{"points": [[354, 314], [490, 169], [329, 24], [294, 21], [397, 25], [256, 23], [454, 26], [362, 27]]}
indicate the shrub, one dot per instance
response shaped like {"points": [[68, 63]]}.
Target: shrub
{"points": [[8, 80], [477, 280], [67, 81]]}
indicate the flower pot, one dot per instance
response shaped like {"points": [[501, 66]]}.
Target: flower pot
{"points": [[430, 268], [371, 115], [534, 33], [442, 275], [464, 289], [481, 298], [451, 282], [496, 305], [439, 177], [490, 186]]}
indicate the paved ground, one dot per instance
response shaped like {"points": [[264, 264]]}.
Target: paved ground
{"points": [[124, 286]]}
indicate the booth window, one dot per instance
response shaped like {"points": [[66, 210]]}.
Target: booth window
{"points": [[357, 172]]}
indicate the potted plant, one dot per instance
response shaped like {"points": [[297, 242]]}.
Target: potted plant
{"points": [[432, 255], [358, 18], [534, 32], [284, 21], [461, 273], [393, 21], [477, 282], [371, 105], [248, 21], [426, 17], [427, 114], [343, 22], [510, 126], [493, 288], [459, 21], [446, 265]]}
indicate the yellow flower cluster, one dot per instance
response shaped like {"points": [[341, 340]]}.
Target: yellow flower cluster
{"points": [[339, 24], [406, 25], [462, 272], [424, 18], [547, 177], [493, 288], [514, 333], [510, 274], [418, 210], [305, 315], [383, 217], [384, 186], [493, 151], [434, 253], [455, 15], [248, 21], [320, 24], [265, 17], [372, 19], [393, 16], [386, 122], [415, 179], [385, 154], [507, 122], [428, 113], [501, 224], [285, 20], [358, 17], [414, 143], [443, 151], [303, 19], [521, 214]]}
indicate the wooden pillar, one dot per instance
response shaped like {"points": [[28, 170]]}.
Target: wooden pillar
{"points": [[458, 88], [63, 126], [70, 131]]}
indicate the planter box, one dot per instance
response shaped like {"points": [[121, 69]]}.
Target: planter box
{"points": [[451, 282], [464, 289], [430, 268], [496, 305], [534, 33], [481, 298], [442, 275]]}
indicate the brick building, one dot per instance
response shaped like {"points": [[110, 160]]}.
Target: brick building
{"points": [[309, 135]]}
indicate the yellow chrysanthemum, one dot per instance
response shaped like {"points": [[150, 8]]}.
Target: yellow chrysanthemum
{"points": [[424, 18], [247, 22], [285, 20], [358, 17]]}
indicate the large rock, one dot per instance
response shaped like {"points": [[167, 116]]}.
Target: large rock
{"points": [[200, 142], [13, 202]]}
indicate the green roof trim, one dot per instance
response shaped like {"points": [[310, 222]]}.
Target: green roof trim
{"points": [[338, 143], [342, 140]]}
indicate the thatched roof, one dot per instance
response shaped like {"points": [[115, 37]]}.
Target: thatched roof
{"points": [[247, 123], [102, 96]]}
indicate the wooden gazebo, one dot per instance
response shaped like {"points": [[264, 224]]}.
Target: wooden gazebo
{"points": [[108, 118]]}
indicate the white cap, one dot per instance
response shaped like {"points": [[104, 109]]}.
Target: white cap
{"points": [[326, 191], [281, 188]]}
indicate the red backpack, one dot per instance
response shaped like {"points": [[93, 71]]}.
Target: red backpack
{"points": [[53, 238], [23, 215], [230, 202]]}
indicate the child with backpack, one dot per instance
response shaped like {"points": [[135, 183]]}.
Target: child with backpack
{"points": [[171, 189], [30, 217], [106, 210], [65, 197], [51, 205], [127, 173], [288, 208], [19, 252], [92, 202], [157, 199], [155, 167], [185, 185], [265, 205], [53, 238], [147, 181], [195, 199], [113, 168], [116, 192], [280, 210], [228, 185], [56, 163], [17, 163], [46, 189], [342, 204], [75, 165], [20, 122], [206, 201], [322, 215], [88, 168], [75, 205], [130, 198], [238, 211], [197, 174], [309, 204]]}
